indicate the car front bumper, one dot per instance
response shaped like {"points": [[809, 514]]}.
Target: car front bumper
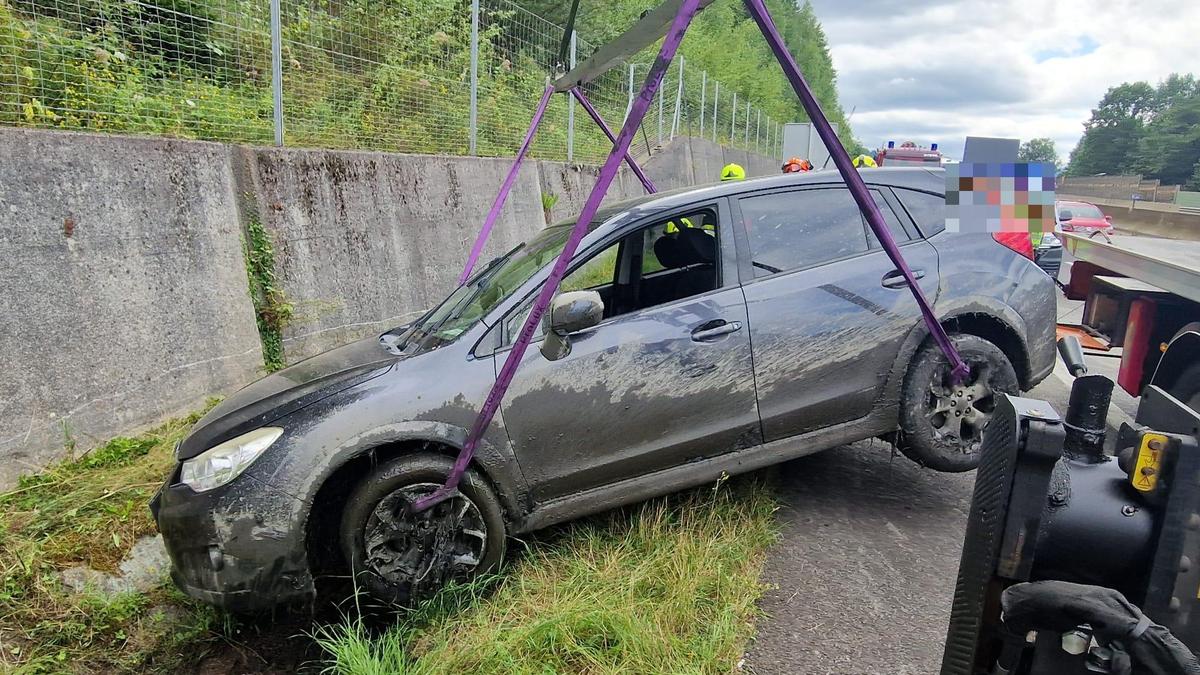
{"points": [[239, 547]]}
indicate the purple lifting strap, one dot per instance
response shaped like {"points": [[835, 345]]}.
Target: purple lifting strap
{"points": [[505, 188], [609, 171], [637, 170], [858, 188]]}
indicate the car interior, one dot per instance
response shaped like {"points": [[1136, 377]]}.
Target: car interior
{"points": [[667, 261], [672, 259]]}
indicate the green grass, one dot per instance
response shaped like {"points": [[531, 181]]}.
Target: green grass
{"points": [[90, 511], [666, 587]]}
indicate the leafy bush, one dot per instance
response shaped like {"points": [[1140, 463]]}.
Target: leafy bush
{"points": [[357, 73]]}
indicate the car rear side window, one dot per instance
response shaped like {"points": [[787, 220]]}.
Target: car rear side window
{"points": [[801, 228], [929, 211]]}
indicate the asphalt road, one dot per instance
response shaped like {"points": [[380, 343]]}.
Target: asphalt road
{"points": [[862, 577]]}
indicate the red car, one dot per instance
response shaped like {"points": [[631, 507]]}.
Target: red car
{"points": [[1083, 218]]}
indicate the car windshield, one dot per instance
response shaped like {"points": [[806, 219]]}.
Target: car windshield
{"points": [[488, 288], [1084, 211], [500, 278]]}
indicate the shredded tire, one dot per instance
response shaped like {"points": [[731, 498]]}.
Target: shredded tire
{"points": [[400, 558], [942, 424]]}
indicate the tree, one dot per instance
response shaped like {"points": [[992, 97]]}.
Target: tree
{"points": [[1038, 150], [1170, 144], [1111, 136], [1152, 131], [1174, 89]]}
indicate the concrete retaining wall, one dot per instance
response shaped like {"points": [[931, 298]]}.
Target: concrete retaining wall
{"points": [[124, 289], [367, 241], [690, 161]]}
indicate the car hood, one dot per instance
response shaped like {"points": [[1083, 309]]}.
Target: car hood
{"points": [[286, 391]]}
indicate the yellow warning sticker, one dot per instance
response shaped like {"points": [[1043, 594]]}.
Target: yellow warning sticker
{"points": [[1149, 462]]}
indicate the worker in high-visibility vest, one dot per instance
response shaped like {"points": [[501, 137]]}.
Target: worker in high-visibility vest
{"points": [[863, 161], [797, 165], [732, 171], [672, 228]]}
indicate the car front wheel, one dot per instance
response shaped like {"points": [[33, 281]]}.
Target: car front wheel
{"points": [[942, 423], [400, 557]]}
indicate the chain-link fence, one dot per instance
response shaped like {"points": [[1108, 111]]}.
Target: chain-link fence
{"points": [[395, 75]]}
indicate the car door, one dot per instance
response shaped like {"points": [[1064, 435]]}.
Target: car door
{"points": [[828, 310], [664, 379]]}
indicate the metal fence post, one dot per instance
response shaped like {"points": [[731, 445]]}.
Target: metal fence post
{"points": [[733, 120], [629, 104], [660, 107], [570, 109], [758, 132], [746, 141], [277, 68], [703, 87], [678, 101], [716, 100], [473, 123]]}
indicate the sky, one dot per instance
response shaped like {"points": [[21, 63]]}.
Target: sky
{"points": [[936, 71]]}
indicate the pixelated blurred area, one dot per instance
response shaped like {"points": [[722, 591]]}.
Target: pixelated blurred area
{"points": [[1000, 197]]}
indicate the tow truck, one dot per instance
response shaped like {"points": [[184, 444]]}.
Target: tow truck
{"points": [[1141, 294]]}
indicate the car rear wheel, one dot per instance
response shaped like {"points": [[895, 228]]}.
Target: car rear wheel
{"points": [[399, 557], [942, 423]]}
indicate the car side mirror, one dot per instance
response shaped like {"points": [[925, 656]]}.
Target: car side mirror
{"points": [[569, 313], [1108, 219]]}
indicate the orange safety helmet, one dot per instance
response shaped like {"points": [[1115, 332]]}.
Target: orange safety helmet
{"points": [[797, 165]]}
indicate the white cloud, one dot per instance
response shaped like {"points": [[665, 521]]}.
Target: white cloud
{"points": [[939, 71]]}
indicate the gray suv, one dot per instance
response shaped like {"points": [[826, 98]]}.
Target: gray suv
{"points": [[742, 325]]}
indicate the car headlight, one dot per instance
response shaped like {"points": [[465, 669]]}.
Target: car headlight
{"points": [[222, 463]]}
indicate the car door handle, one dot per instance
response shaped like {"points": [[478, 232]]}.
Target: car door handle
{"points": [[714, 329], [895, 278]]}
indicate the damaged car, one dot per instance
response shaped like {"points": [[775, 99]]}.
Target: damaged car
{"points": [[726, 328]]}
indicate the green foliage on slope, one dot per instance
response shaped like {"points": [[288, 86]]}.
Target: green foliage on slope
{"points": [[726, 42], [357, 73]]}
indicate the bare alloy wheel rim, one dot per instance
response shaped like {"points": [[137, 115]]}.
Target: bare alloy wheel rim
{"points": [[428, 549], [958, 413]]}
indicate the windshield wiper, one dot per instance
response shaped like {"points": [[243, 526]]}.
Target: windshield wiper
{"points": [[494, 262], [477, 281], [772, 270]]}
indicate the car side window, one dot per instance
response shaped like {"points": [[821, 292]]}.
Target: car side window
{"points": [[929, 211], [596, 273], [672, 259], [801, 228], [899, 233]]}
